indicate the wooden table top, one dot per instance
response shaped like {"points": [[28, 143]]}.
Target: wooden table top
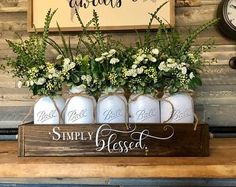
{"points": [[221, 164]]}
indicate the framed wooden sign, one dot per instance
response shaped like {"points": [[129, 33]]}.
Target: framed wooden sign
{"points": [[114, 14]]}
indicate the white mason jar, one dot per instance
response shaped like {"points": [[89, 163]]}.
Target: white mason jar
{"points": [[45, 111], [144, 109], [182, 109], [80, 109], [112, 108]]}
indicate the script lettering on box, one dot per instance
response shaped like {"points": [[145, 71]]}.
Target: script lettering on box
{"points": [[111, 140]]}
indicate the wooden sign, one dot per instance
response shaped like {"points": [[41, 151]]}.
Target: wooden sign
{"points": [[113, 140], [114, 14]]}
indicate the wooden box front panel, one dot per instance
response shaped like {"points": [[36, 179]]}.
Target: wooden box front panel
{"points": [[114, 140]]}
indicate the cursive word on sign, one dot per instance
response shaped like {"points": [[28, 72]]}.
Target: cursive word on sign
{"points": [[143, 115], [75, 115], [94, 3], [107, 139], [43, 116]]}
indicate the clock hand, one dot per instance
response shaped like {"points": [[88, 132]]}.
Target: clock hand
{"points": [[234, 6]]}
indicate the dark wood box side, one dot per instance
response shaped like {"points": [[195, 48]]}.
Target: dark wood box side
{"points": [[187, 142], [21, 142]]}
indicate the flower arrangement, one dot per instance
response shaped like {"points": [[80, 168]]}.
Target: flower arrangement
{"points": [[99, 61], [140, 73], [165, 62], [31, 66], [107, 57], [180, 62]]}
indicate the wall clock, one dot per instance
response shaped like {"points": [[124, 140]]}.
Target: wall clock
{"points": [[227, 15]]}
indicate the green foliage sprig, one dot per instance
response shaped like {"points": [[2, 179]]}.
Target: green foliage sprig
{"points": [[30, 52], [107, 56], [181, 61], [166, 62], [31, 66]]}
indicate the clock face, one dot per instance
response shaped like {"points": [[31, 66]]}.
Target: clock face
{"points": [[231, 12]]}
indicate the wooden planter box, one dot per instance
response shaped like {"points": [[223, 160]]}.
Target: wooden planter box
{"points": [[113, 140]]}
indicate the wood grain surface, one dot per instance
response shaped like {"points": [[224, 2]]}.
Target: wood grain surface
{"points": [[114, 140], [220, 164]]}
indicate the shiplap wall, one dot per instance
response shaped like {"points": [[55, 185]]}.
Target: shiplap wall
{"points": [[215, 102]]}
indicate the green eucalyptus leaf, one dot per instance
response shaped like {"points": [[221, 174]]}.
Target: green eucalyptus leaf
{"points": [[75, 78]]}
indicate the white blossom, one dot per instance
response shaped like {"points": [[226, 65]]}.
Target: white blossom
{"points": [[100, 59], [131, 73], [112, 51], [140, 58], [68, 65], [105, 54], [191, 75], [82, 86], [50, 76], [19, 84], [184, 70], [51, 70], [140, 70], [151, 58], [83, 77], [66, 61], [114, 60], [134, 66], [136, 62], [143, 55], [172, 65], [190, 55], [134, 74], [31, 83], [88, 79], [59, 57], [27, 83], [169, 60], [155, 51], [162, 66], [41, 81]]}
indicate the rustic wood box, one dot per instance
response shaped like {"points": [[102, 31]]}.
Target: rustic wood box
{"points": [[113, 140]]}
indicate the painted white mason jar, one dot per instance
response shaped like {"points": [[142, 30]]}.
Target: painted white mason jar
{"points": [[112, 108], [80, 109], [182, 109], [45, 111], [144, 109]]}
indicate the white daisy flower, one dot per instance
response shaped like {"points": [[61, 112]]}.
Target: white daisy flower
{"points": [[151, 58], [100, 59], [191, 75], [31, 83], [41, 81], [140, 70], [19, 84], [112, 51], [114, 60], [105, 54], [59, 57], [155, 51], [184, 70], [139, 58], [134, 66], [66, 61], [83, 77], [88, 78]]}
